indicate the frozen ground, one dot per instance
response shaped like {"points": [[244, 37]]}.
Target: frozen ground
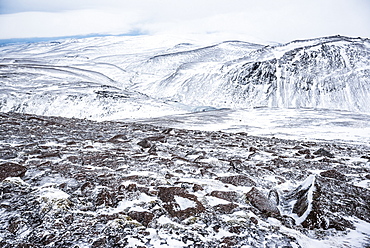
{"points": [[297, 124], [78, 183]]}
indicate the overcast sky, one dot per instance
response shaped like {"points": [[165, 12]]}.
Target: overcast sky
{"points": [[269, 20]]}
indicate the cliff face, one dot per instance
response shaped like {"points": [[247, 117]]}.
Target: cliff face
{"points": [[330, 73], [78, 183]]}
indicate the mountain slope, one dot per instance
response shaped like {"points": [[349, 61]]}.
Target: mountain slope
{"points": [[159, 76], [329, 73]]}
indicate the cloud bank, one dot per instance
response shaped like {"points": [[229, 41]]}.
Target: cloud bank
{"points": [[270, 20]]}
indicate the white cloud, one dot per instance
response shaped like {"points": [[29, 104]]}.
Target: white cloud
{"points": [[69, 23], [279, 20]]}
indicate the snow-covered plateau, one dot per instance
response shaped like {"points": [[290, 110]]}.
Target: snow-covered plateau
{"points": [[159, 141]]}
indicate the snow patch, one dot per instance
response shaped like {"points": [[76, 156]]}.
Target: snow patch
{"points": [[213, 201], [52, 194], [184, 203]]}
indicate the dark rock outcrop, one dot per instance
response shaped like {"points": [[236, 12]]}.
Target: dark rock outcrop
{"points": [[231, 196], [324, 153], [9, 169], [237, 180], [262, 203], [172, 198], [143, 217]]}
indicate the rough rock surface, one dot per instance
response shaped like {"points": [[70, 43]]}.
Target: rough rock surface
{"points": [[78, 183]]}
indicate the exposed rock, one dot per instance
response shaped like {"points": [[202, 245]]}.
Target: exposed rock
{"points": [[304, 151], [143, 217], [144, 143], [366, 157], [324, 153], [225, 208], [160, 138], [313, 203], [101, 242], [118, 138], [262, 203], [333, 174], [229, 242], [8, 155], [105, 197], [197, 187], [226, 195], [253, 149], [179, 203], [237, 180], [9, 169]]}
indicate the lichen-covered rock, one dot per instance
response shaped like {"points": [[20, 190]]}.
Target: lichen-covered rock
{"points": [[225, 208], [143, 217], [238, 180], [262, 203], [9, 169], [179, 203], [231, 196], [333, 174], [324, 153]]}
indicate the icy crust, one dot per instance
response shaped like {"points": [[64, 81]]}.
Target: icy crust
{"points": [[111, 78], [79, 183]]}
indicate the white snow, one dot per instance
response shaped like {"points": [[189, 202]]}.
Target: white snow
{"points": [[130, 205], [298, 124], [309, 183], [184, 203], [213, 201], [354, 238], [52, 193], [364, 184], [15, 180]]}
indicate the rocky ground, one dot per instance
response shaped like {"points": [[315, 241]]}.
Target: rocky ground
{"points": [[78, 183]]}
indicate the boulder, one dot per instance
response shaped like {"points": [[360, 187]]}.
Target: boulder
{"points": [[225, 208], [143, 217], [9, 169], [324, 153], [237, 180], [144, 143], [262, 203], [333, 174], [231, 196], [179, 203]]}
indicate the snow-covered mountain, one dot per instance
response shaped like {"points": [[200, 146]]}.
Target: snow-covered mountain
{"points": [[332, 73], [126, 77]]}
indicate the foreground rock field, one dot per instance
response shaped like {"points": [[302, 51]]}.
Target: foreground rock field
{"points": [[78, 183]]}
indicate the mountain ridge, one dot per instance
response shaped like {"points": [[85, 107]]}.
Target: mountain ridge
{"points": [[329, 72]]}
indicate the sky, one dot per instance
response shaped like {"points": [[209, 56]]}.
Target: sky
{"points": [[267, 20]]}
